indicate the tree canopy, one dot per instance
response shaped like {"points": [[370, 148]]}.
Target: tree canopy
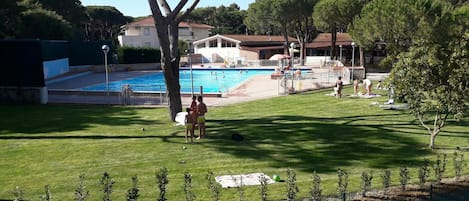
{"points": [[104, 23], [428, 47], [336, 15], [225, 20]]}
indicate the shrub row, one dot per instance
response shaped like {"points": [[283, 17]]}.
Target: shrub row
{"points": [[161, 177], [133, 55]]}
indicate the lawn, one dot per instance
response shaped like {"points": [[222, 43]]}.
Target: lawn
{"points": [[53, 144]]}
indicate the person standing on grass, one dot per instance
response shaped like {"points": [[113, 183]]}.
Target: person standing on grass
{"points": [[189, 122], [339, 85], [201, 110], [194, 110], [355, 87], [367, 84]]}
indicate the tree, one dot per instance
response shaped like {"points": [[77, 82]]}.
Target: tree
{"points": [[10, 18], [336, 15], [432, 76], [105, 23], [225, 20], [389, 21], [42, 24], [303, 25], [167, 27], [259, 19], [271, 17], [71, 10]]}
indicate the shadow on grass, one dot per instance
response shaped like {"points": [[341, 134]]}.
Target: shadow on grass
{"points": [[34, 119], [321, 144]]}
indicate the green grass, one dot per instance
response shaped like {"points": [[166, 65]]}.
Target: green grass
{"points": [[53, 144]]}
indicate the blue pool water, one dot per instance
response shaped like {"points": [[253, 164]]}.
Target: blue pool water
{"points": [[212, 80]]}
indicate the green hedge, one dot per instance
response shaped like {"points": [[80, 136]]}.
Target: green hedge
{"points": [[132, 55]]}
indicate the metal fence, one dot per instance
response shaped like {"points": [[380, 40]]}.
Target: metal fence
{"points": [[292, 82]]}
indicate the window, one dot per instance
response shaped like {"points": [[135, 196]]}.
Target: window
{"points": [[226, 43], [202, 45], [213, 43], [147, 44], [146, 31]]}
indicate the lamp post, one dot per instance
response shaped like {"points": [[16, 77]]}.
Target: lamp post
{"points": [[340, 58], [189, 58], [105, 49], [292, 57], [353, 58]]}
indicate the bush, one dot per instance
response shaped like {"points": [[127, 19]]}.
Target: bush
{"points": [[263, 187], [107, 183], [132, 55], [162, 181], [213, 186], [316, 188], [458, 162], [405, 177], [80, 191], [342, 182], [366, 182], [132, 193], [188, 187], [386, 179], [439, 167], [292, 188], [424, 172]]}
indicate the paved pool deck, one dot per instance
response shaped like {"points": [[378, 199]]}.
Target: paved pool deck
{"points": [[258, 87]]}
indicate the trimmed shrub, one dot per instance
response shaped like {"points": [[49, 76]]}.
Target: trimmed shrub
{"points": [[162, 181], [132, 193], [107, 183], [316, 188], [292, 188], [133, 55], [80, 191]]}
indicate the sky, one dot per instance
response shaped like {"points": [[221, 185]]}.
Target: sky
{"points": [[137, 8]]}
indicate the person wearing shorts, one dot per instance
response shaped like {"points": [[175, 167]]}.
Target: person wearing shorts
{"points": [[201, 110], [339, 85], [189, 122], [367, 84]]}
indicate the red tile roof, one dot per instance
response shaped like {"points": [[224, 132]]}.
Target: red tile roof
{"points": [[149, 21], [324, 40], [260, 38]]}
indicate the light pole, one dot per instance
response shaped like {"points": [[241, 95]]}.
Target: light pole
{"points": [[340, 58], [189, 58], [105, 49], [292, 57], [353, 58]]}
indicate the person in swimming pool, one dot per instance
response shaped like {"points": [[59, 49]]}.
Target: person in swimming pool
{"points": [[201, 110]]}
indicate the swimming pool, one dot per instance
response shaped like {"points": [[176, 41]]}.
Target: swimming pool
{"points": [[212, 80]]}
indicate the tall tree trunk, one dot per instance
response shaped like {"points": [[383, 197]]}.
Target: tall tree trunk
{"points": [[333, 41], [362, 58], [167, 27]]}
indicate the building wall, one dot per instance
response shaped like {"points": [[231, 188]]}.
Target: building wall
{"points": [[146, 36], [219, 55]]}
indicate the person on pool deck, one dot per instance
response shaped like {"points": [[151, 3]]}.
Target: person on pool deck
{"points": [[189, 122], [201, 110]]}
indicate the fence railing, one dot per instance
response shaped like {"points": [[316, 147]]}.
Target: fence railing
{"points": [[296, 82]]}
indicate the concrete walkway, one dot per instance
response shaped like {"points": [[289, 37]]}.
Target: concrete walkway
{"points": [[257, 87]]}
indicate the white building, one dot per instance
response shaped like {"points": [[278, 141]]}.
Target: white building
{"points": [[143, 33], [235, 48]]}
